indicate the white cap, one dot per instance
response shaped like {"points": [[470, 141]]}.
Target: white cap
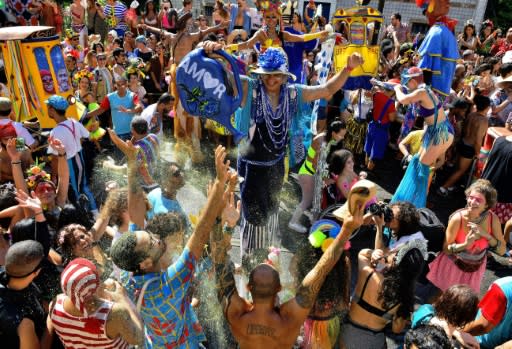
{"points": [[507, 57]]}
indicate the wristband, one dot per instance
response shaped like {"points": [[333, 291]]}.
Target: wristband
{"points": [[232, 48], [312, 36], [347, 68], [38, 213], [16, 162], [61, 155]]}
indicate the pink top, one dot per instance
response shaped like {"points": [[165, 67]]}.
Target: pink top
{"points": [[478, 245]]}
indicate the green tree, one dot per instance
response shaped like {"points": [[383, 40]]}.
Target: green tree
{"points": [[500, 13]]}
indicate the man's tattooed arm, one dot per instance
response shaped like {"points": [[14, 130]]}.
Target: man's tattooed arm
{"points": [[224, 267], [310, 286], [136, 202]]}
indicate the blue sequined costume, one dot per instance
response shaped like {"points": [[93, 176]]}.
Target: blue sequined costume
{"points": [[439, 53], [414, 184], [261, 160]]}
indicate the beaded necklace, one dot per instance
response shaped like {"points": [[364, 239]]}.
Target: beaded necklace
{"points": [[277, 122]]}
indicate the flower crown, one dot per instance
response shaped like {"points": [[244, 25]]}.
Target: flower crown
{"points": [[69, 33], [84, 73], [272, 5], [273, 59], [36, 174], [136, 65]]}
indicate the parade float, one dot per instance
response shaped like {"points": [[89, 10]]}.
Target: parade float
{"points": [[360, 33], [35, 70]]}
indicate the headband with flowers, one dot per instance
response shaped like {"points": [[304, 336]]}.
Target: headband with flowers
{"points": [[73, 53], [136, 66], [270, 5], [70, 33], [84, 73], [36, 174]]}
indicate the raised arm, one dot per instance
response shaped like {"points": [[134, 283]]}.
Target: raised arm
{"points": [[62, 170], [221, 25], [17, 171], [213, 206], [136, 204], [299, 307], [405, 99], [163, 33], [326, 90], [220, 241], [322, 35]]}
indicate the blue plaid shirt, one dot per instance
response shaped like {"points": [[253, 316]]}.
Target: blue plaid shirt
{"points": [[169, 321]]}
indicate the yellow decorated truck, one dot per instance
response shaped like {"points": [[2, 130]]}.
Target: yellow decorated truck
{"points": [[361, 31], [35, 70]]}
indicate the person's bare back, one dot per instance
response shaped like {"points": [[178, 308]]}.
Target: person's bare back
{"points": [[269, 328], [475, 126]]}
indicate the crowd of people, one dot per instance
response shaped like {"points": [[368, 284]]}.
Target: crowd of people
{"points": [[98, 252]]}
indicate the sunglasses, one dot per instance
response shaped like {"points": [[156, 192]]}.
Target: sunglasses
{"points": [[102, 58], [177, 173], [270, 17], [75, 39]]}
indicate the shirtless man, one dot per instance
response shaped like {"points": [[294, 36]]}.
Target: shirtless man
{"points": [[261, 324], [78, 24], [473, 132], [187, 129]]}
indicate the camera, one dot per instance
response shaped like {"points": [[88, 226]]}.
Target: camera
{"points": [[381, 208], [20, 144]]}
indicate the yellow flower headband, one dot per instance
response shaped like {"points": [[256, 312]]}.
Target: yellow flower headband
{"points": [[83, 74]]}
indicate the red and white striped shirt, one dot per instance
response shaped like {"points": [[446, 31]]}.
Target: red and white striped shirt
{"points": [[84, 332]]}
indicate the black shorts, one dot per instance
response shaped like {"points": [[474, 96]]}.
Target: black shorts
{"points": [[466, 151]]}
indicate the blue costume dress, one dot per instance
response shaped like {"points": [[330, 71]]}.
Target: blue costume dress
{"points": [[439, 54], [261, 160], [414, 184]]}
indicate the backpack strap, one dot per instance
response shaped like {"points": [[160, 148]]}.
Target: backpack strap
{"points": [[384, 110]]}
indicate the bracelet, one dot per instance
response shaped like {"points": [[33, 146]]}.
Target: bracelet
{"points": [[229, 230], [452, 248], [347, 68], [61, 155], [16, 162]]}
